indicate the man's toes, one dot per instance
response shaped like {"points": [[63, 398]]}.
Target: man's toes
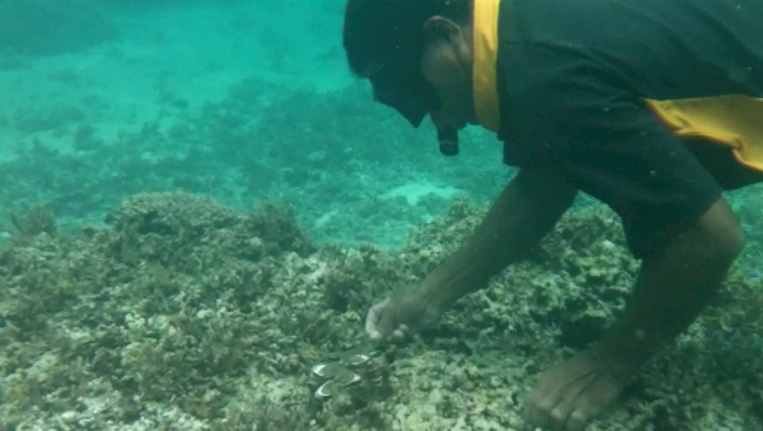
{"points": [[537, 415], [558, 418], [531, 415], [577, 421]]}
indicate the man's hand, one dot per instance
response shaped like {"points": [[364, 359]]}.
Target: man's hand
{"points": [[403, 312], [671, 290], [525, 211], [568, 395]]}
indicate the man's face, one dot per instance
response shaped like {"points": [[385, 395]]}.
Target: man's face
{"points": [[447, 66], [441, 85]]}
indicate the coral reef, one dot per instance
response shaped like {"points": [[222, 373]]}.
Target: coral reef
{"points": [[182, 313], [262, 140]]}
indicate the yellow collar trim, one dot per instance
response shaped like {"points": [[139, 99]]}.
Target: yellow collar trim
{"points": [[485, 86]]}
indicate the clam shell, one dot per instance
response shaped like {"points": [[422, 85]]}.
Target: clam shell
{"points": [[325, 390], [357, 359], [327, 371], [346, 377]]}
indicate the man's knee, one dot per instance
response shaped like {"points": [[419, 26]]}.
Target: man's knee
{"points": [[717, 237]]}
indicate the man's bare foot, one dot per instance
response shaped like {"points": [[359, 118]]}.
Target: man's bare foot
{"points": [[570, 394]]}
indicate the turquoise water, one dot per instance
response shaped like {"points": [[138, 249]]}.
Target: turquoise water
{"points": [[235, 101], [131, 301]]}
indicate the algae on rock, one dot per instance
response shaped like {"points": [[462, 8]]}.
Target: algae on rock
{"points": [[182, 313]]}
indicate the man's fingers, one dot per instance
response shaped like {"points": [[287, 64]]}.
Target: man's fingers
{"points": [[401, 332], [381, 323], [374, 320]]}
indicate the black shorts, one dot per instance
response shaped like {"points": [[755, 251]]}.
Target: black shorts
{"points": [[575, 98], [618, 152]]}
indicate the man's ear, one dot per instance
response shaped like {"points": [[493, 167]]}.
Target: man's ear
{"points": [[440, 29]]}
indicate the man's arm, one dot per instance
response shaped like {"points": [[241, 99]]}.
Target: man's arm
{"points": [[674, 286], [526, 210]]}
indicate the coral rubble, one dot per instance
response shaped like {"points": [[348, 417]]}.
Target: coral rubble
{"points": [[184, 314]]}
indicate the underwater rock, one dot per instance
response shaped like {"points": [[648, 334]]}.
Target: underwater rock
{"points": [[182, 313]]}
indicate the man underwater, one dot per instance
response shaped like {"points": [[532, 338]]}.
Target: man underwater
{"points": [[651, 106]]}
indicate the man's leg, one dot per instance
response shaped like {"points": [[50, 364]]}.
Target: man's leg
{"points": [[670, 292]]}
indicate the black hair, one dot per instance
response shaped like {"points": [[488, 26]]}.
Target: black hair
{"points": [[390, 33]]}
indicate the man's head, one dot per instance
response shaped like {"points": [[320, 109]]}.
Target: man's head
{"points": [[417, 55]]}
